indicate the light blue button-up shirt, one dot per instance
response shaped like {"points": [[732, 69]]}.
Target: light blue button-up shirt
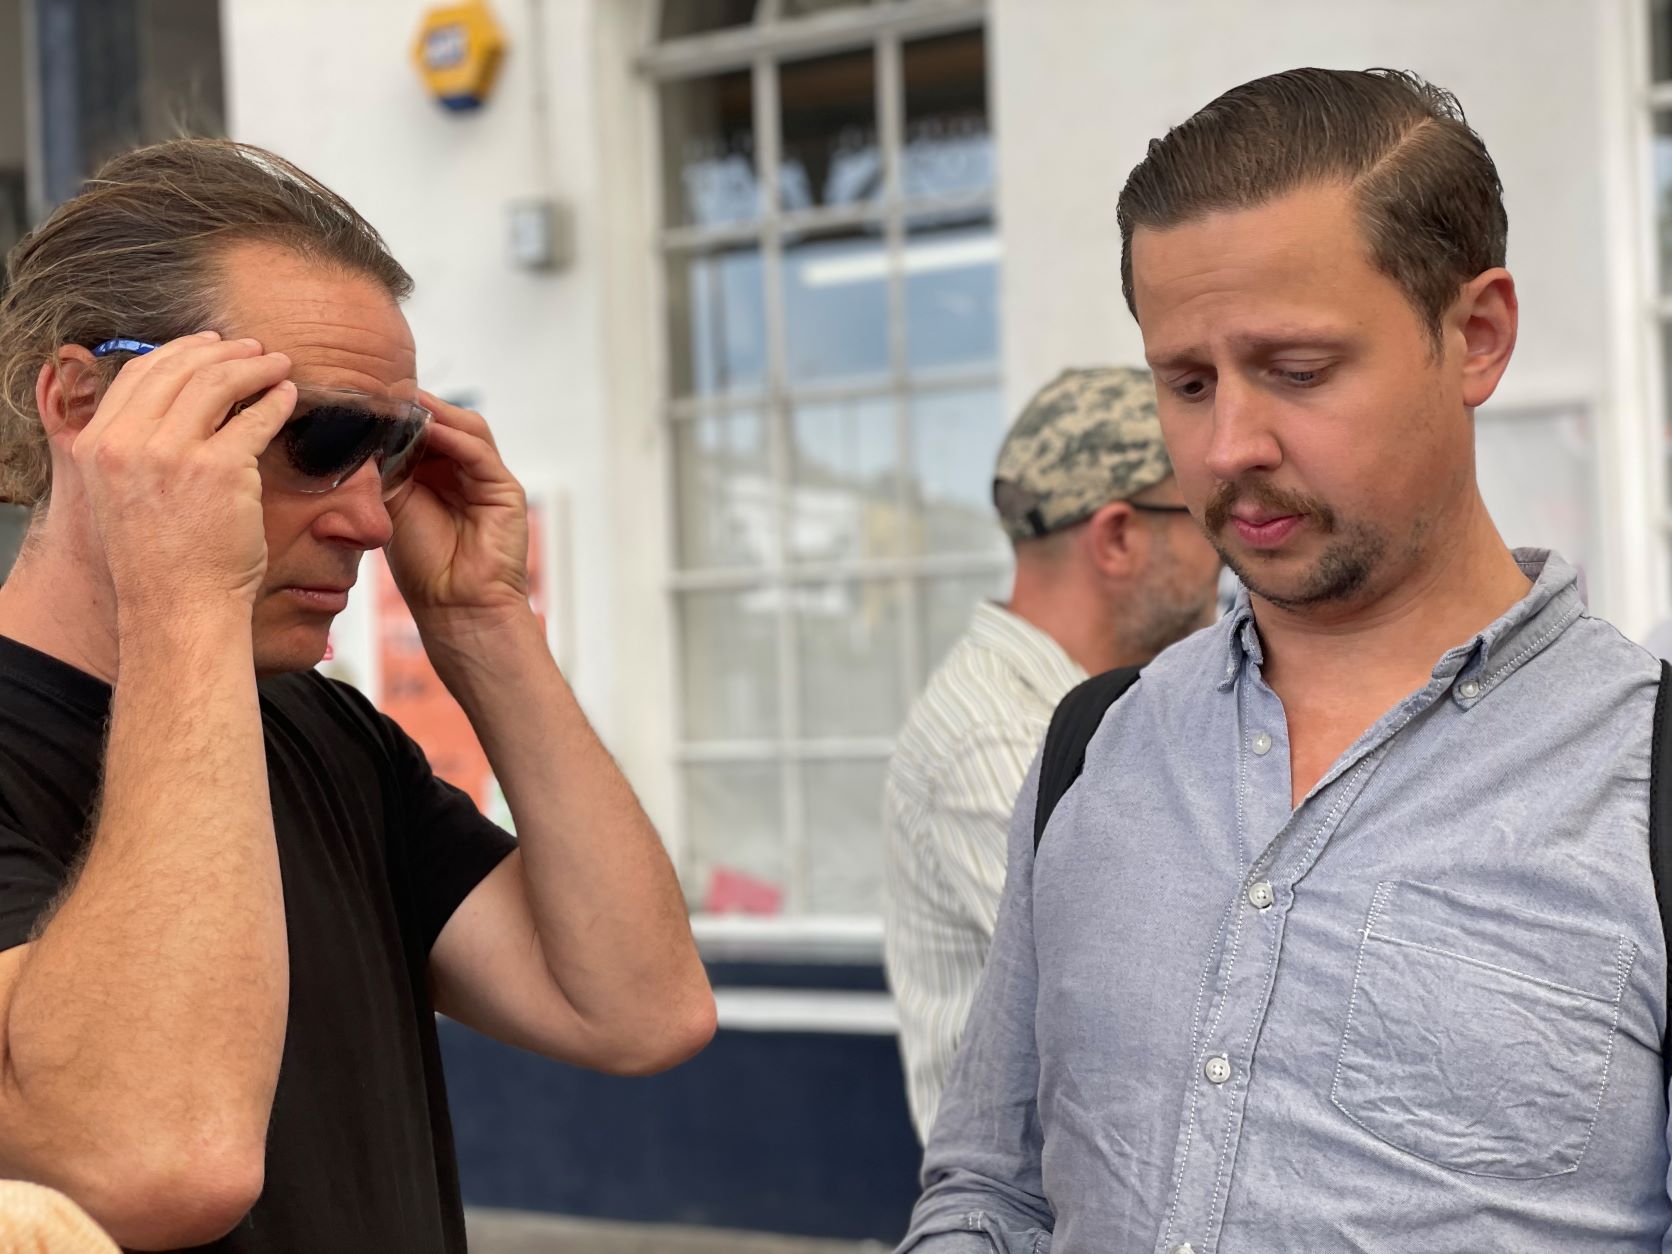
{"points": [[1421, 1012]]}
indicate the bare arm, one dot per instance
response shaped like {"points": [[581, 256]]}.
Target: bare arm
{"points": [[140, 1032], [577, 946]]}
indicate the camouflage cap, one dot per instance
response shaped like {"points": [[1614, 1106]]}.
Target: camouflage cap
{"points": [[1086, 438]]}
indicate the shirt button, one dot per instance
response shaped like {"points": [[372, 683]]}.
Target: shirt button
{"points": [[1261, 744], [1186, 1248], [1260, 896], [1468, 690], [1218, 1069]]}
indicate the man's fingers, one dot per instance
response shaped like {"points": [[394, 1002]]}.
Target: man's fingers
{"points": [[252, 428], [155, 392], [455, 416], [208, 396], [134, 370], [473, 454]]}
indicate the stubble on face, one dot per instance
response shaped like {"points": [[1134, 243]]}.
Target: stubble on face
{"points": [[1351, 556]]}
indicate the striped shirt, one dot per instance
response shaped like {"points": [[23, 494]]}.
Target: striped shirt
{"points": [[958, 764]]}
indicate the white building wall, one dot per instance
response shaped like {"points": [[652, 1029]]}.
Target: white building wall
{"points": [[1081, 86]]}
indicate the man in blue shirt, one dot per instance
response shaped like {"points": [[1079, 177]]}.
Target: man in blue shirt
{"points": [[1346, 938]]}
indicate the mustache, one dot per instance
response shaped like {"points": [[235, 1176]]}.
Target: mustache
{"points": [[1269, 499]]}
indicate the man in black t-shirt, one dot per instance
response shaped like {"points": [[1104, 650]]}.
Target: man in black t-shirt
{"points": [[232, 894]]}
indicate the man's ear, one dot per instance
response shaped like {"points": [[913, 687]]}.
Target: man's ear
{"points": [[67, 392], [1488, 317], [1112, 539]]}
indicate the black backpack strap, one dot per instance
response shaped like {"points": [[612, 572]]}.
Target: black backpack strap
{"points": [[1660, 831], [1075, 722]]}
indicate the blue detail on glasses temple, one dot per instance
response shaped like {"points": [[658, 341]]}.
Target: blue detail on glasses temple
{"points": [[140, 347]]}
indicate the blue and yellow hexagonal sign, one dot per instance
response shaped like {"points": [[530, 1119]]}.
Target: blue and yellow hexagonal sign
{"points": [[458, 52]]}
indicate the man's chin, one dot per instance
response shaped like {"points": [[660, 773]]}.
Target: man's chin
{"points": [[296, 649]]}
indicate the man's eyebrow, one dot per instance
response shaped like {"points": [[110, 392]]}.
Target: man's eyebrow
{"points": [[1253, 344]]}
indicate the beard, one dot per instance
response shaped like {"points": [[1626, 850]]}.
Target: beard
{"points": [[1352, 551]]}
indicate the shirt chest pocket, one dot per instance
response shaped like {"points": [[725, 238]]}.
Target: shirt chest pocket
{"points": [[1478, 1036]]}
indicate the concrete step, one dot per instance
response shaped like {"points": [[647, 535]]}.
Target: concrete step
{"points": [[518, 1232]]}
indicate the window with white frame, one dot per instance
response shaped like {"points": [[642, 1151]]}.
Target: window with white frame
{"points": [[831, 271]]}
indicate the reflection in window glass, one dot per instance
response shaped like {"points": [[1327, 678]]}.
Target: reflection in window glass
{"points": [[696, 17], [717, 308], [848, 644], [730, 668], [708, 150], [948, 145], [836, 307], [843, 803], [830, 154], [955, 438], [735, 855], [952, 295], [809, 8], [844, 498], [726, 504], [948, 605]]}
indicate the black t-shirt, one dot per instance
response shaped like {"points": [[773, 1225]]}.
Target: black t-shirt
{"points": [[375, 853]]}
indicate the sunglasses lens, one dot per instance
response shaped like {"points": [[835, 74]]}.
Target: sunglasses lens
{"points": [[324, 445], [403, 442]]}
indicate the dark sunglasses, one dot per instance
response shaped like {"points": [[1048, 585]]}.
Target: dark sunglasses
{"points": [[331, 434]]}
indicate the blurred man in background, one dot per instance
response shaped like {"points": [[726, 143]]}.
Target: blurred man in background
{"points": [[1110, 570]]}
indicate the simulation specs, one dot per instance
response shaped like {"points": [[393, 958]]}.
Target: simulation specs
{"points": [[330, 434]]}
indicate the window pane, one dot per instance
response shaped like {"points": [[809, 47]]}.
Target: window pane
{"points": [[725, 490], [948, 604], [730, 666], [844, 836], [717, 322], [844, 498], [735, 858], [807, 8], [836, 306], [952, 283], [955, 438], [708, 150], [948, 145], [848, 639], [1660, 40], [830, 154], [694, 17]]}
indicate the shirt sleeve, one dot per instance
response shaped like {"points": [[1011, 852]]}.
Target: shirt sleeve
{"points": [[440, 846], [31, 877], [983, 1188]]}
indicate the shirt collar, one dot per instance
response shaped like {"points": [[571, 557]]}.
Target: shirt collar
{"points": [[1037, 659], [1477, 664]]}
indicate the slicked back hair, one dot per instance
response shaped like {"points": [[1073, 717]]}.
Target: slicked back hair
{"points": [[1429, 199], [139, 252]]}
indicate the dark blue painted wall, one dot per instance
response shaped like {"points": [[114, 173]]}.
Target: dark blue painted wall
{"points": [[777, 1132]]}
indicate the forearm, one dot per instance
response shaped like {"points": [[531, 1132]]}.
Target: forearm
{"points": [[149, 1014], [605, 899]]}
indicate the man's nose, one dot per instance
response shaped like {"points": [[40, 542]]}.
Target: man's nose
{"points": [[1243, 435], [355, 512]]}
